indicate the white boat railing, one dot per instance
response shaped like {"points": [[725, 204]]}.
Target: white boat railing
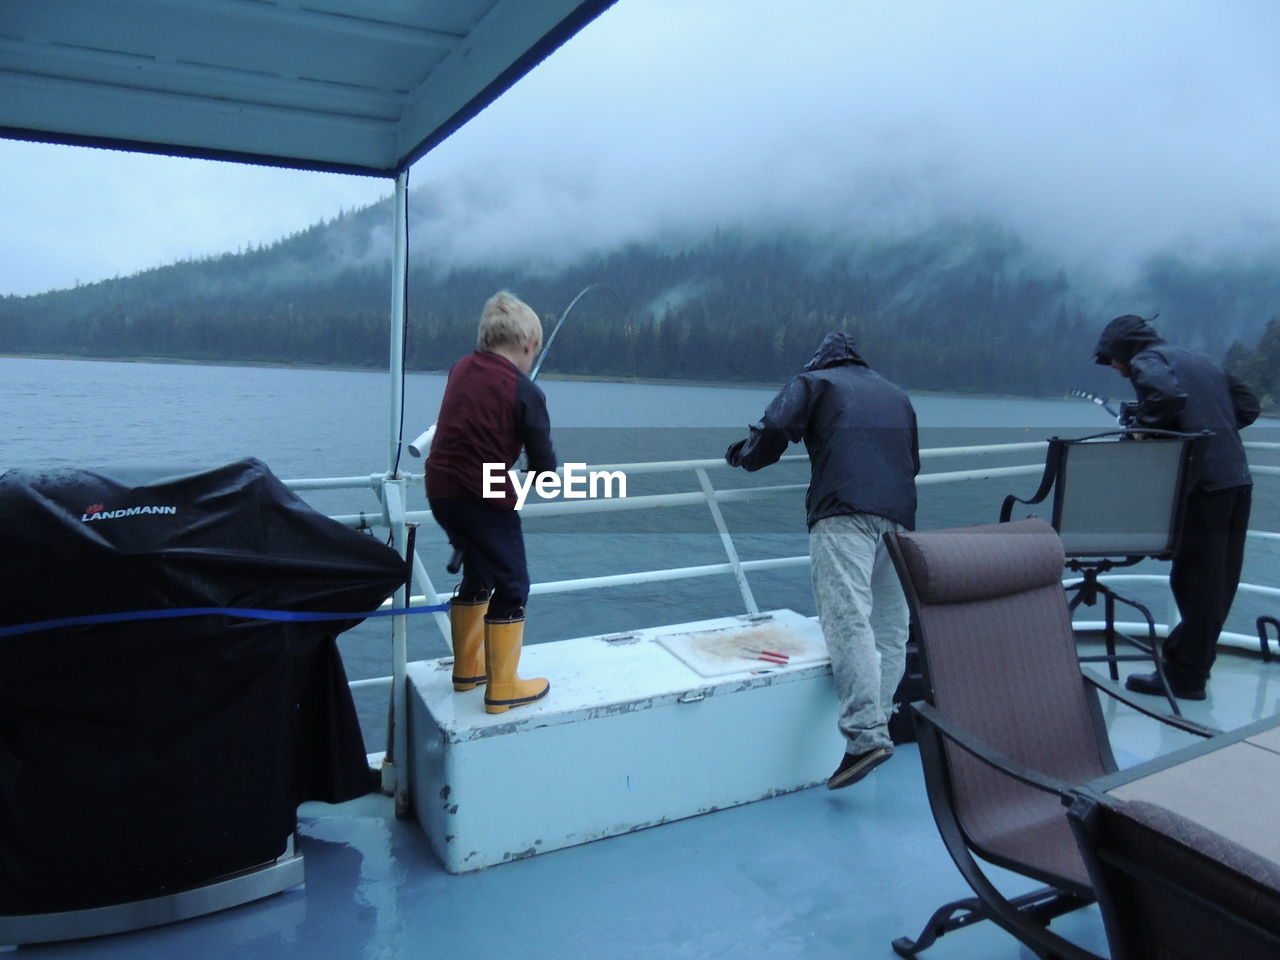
{"points": [[709, 495], [391, 513]]}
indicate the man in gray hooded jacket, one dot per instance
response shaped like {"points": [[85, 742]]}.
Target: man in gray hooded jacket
{"points": [[1189, 392], [860, 432]]}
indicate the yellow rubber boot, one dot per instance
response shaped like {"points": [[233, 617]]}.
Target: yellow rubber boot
{"points": [[466, 624], [502, 642]]}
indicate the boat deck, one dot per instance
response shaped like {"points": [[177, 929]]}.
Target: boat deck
{"points": [[812, 874]]}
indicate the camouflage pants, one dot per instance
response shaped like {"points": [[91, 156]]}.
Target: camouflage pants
{"points": [[864, 619]]}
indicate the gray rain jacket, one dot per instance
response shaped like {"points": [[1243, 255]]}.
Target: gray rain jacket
{"points": [[1181, 390], [860, 432]]}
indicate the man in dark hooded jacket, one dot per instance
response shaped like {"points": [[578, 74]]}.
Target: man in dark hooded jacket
{"points": [[1180, 390], [860, 433]]}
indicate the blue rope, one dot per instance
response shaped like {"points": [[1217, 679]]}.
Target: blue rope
{"points": [[244, 613]]}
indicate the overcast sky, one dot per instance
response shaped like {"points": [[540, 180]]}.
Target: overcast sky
{"points": [[1102, 131]]}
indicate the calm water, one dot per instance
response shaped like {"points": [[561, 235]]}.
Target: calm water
{"points": [[310, 423]]}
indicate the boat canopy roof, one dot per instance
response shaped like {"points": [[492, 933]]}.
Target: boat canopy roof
{"points": [[353, 86]]}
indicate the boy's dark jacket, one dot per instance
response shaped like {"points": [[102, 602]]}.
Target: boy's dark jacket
{"points": [[489, 413]]}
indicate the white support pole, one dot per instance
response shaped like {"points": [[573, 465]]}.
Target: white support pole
{"points": [[730, 550], [395, 771], [399, 274], [395, 768]]}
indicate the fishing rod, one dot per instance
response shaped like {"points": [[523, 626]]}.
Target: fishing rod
{"points": [[1103, 402], [422, 445], [546, 348]]}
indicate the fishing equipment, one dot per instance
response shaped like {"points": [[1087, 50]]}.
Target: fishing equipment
{"points": [[1104, 402]]}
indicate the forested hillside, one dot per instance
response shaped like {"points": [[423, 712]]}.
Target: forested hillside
{"points": [[1260, 367], [962, 307]]}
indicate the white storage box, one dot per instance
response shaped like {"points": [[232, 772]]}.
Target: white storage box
{"points": [[638, 729]]}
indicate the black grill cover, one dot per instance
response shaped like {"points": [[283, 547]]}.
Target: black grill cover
{"points": [[146, 757]]}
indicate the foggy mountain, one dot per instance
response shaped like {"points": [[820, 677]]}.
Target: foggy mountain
{"points": [[965, 305]]}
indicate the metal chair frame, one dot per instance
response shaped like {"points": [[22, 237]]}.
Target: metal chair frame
{"points": [[1091, 567], [1027, 916]]}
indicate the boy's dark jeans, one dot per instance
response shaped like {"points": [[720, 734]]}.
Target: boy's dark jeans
{"points": [[492, 546]]}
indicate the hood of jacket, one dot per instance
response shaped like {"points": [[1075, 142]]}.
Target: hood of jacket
{"points": [[1123, 338], [835, 349]]}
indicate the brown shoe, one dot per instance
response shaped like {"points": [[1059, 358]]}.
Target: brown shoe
{"points": [[855, 766]]}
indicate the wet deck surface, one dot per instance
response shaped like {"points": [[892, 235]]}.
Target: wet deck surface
{"points": [[816, 874]]}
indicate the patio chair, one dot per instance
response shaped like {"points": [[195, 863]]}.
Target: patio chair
{"points": [[1010, 722], [1171, 889], [1116, 501]]}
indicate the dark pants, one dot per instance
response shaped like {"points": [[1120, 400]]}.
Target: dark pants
{"points": [[492, 547], [1204, 577]]}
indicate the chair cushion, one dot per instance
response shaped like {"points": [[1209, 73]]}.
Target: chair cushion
{"points": [[1208, 846], [980, 563], [1186, 893]]}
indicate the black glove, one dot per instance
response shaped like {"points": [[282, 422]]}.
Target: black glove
{"points": [[1127, 413], [733, 456]]}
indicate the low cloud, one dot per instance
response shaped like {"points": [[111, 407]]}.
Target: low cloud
{"points": [[1100, 132], [1104, 133]]}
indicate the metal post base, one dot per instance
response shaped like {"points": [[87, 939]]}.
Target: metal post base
{"points": [[229, 891]]}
